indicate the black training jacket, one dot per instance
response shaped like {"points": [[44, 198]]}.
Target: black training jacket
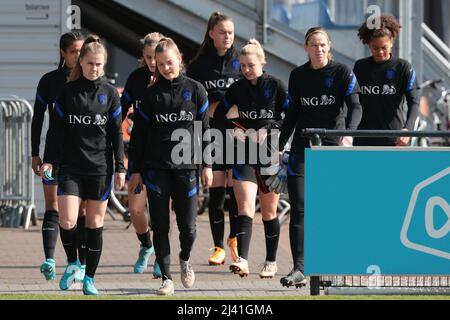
{"points": [[260, 105], [216, 73], [87, 130], [317, 100], [384, 88], [46, 93], [166, 107], [136, 84]]}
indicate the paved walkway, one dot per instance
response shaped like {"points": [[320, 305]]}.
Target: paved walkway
{"points": [[21, 254]]}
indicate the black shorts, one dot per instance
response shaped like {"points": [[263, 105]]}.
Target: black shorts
{"points": [[246, 172], [85, 187], [52, 182]]}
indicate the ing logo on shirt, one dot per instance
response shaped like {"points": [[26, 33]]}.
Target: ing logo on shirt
{"points": [[174, 117], [255, 115], [219, 84], [377, 90], [324, 100], [98, 119]]}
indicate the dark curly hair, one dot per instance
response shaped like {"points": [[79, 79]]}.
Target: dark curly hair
{"points": [[390, 27]]}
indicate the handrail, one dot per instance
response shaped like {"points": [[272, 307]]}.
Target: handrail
{"points": [[314, 132], [434, 54], [436, 41]]}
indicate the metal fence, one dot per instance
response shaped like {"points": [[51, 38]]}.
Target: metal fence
{"points": [[383, 284], [16, 177]]}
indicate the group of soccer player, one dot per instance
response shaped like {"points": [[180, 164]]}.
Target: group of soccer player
{"points": [[219, 89]]}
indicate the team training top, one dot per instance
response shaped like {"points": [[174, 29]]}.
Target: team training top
{"points": [[166, 107], [136, 84], [87, 129], [47, 89], [384, 87], [259, 106], [216, 73], [317, 101]]}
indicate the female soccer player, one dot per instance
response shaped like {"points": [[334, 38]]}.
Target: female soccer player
{"points": [[317, 90], [170, 109], [86, 144]]}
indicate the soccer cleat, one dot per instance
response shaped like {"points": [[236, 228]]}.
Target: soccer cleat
{"points": [[166, 288], [187, 274], [48, 269], [232, 244], [269, 270], [142, 261], [88, 286], [240, 267], [68, 277], [156, 271], [81, 272], [294, 278], [217, 257]]}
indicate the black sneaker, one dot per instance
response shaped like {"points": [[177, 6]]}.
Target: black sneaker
{"points": [[294, 278]]}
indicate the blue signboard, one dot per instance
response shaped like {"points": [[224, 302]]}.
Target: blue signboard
{"points": [[380, 209]]}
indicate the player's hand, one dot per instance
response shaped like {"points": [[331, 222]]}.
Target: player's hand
{"points": [[36, 163], [402, 141], [207, 177]]}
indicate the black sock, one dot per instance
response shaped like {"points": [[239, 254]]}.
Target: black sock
{"points": [[94, 250], [145, 239], [216, 215], [69, 241], [244, 235], [233, 211], [272, 232], [81, 238], [296, 237], [50, 229]]}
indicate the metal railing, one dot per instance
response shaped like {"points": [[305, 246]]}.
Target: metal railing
{"points": [[436, 56], [376, 284], [16, 178], [316, 135]]}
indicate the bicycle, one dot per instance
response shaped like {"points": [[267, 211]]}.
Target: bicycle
{"points": [[434, 113]]}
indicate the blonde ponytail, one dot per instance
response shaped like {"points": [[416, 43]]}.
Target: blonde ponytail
{"points": [[91, 44], [254, 47]]}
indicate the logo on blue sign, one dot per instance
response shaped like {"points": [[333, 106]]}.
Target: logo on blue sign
{"points": [[426, 227], [187, 95], [235, 64], [102, 99]]}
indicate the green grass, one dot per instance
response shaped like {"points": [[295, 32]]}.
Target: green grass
{"points": [[106, 297]]}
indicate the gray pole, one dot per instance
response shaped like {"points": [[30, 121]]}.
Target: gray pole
{"points": [[410, 42]]}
